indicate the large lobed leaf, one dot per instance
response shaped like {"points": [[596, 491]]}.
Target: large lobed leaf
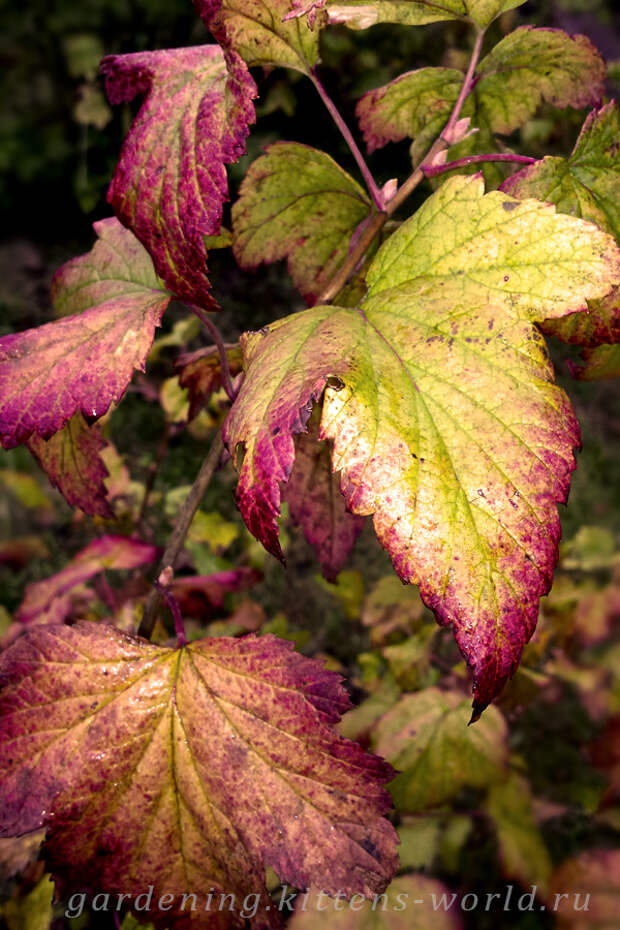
{"points": [[360, 14], [440, 401], [527, 67], [82, 363], [297, 203], [187, 769], [170, 181], [587, 184]]}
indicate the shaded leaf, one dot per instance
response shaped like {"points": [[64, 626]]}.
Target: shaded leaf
{"points": [[259, 33], [585, 891], [598, 364], [26, 489], [200, 372], [527, 67], [440, 401], [522, 852], [187, 768], [426, 737], [408, 904], [202, 594], [33, 911], [83, 362], [392, 607], [295, 202], [170, 181], [316, 504], [114, 552], [71, 460], [587, 184]]}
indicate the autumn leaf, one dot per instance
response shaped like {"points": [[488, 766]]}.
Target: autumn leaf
{"points": [[82, 363], [598, 364], [47, 602], [440, 402], [316, 504], [360, 14], [411, 902], [170, 181], [585, 891], [527, 67], [260, 33], [587, 184], [200, 373], [187, 769], [71, 460], [426, 737], [295, 202]]}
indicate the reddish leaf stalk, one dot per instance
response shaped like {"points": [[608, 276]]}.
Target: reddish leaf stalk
{"points": [[373, 190], [215, 334], [175, 610], [181, 526], [431, 171], [379, 221]]}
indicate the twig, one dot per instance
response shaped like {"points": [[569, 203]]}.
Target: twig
{"points": [[221, 348], [179, 532], [466, 88], [373, 189], [431, 171]]}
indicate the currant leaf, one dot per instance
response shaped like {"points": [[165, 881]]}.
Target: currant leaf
{"points": [[189, 768], [440, 401], [297, 203], [72, 462], [82, 363], [316, 504], [587, 184], [47, 601], [360, 14], [261, 34], [527, 67], [200, 374], [170, 181]]}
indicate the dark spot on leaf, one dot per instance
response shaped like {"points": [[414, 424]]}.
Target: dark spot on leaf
{"points": [[275, 431], [509, 205], [506, 277], [334, 382]]}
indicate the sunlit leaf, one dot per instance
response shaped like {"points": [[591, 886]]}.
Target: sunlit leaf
{"points": [[170, 181], [360, 14], [189, 768], [83, 362], [297, 203], [440, 401], [426, 737], [71, 460]]}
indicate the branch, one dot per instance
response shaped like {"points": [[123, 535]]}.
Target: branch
{"points": [[221, 348], [379, 221], [431, 171], [371, 184], [179, 532]]}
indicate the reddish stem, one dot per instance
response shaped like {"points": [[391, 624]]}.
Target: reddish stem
{"points": [[466, 87], [221, 348], [431, 171], [371, 184], [175, 610]]}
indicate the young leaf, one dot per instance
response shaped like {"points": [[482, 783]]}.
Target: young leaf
{"points": [[200, 373], [297, 203], [170, 181], [316, 504], [187, 769], [83, 362], [528, 66], [587, 184], [260, 34], [114, 552], [426, 737], [360, 14], [71, 460], [441, 404]]}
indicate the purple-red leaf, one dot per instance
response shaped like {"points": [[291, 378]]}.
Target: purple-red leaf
{"points": [[200, 373], [47, 601], [316, 502], [188, 769], [199, 594], [72, 462], [170, 181], [82, 363]]}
